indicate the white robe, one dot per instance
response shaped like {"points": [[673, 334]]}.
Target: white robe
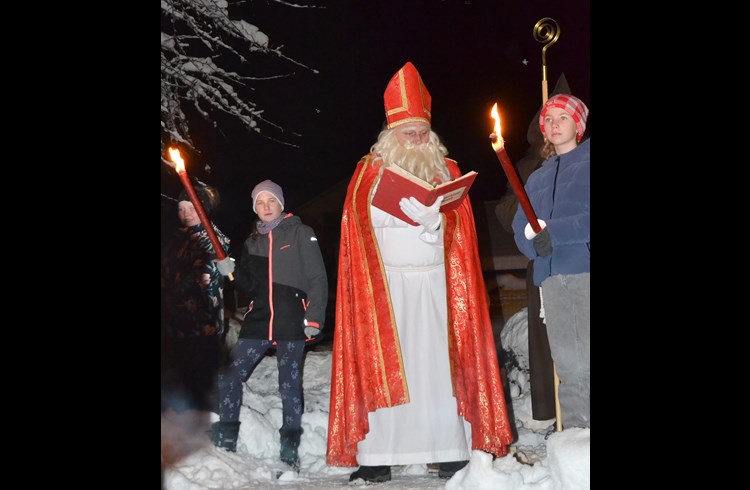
{"points": [[428, 429]]}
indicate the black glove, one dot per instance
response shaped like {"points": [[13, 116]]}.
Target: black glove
{"points": [[543, 243]]}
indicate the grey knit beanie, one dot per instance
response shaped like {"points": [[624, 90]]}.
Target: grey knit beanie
{"points": [[270, 187]]}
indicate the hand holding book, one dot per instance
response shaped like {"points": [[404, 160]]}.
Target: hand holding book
{"points": [[396, 184], [427, 216]]}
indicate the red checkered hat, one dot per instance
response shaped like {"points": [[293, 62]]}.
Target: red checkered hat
{"points": [[406, 98], [573, 106]]}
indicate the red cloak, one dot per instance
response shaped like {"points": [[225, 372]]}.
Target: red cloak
{"points": [[367, 372]]}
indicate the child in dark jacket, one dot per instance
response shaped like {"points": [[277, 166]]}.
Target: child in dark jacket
{"points": [[192, 307], [282, 273], [559, 192]]}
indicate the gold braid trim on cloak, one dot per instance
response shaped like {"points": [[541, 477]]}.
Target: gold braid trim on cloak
{"points": [[367, 371]]}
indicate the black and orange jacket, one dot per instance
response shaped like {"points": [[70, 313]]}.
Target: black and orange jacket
{"points": [[283, 274]]}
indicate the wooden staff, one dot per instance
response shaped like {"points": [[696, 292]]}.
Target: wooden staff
{"points": [[545, 32]]}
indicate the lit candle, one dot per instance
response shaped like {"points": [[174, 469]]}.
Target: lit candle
{"points": [[498, 144], [174, 155]]}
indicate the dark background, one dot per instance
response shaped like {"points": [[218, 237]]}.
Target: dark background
{"points": [[470, 54]]}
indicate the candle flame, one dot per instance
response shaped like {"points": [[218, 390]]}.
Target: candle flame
{"points": [[174, 155], [498, 143]]}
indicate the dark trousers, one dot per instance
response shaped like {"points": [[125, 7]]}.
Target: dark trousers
{"points": [[541, 368], [245, 357]]}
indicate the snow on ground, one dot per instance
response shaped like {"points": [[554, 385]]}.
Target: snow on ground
{"points": [[559, 462]]}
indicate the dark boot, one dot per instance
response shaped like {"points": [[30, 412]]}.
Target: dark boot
{"points": [[289, 445], [224, 435], [374, 474], [447, 470]]}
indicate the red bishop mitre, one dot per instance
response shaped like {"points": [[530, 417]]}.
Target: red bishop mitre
{"points": [[406, 98]]}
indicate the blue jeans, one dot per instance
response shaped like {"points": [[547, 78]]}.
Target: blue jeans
{"points": [[246, 355], [567, 313]]}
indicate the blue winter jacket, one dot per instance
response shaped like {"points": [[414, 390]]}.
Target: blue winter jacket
{"points": [[559, 192]]}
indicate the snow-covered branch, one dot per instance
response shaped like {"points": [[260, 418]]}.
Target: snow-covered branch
{"points": [[202, 51]]}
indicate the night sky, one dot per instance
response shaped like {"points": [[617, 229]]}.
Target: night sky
{"points": [[470, 54]]}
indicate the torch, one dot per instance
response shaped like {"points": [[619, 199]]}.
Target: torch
{"points": [[174, 155], [498, 144]]}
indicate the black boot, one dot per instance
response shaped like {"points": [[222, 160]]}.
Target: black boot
{"points": [[289, 445], [447, 470], [224, 435], [375, 474]]}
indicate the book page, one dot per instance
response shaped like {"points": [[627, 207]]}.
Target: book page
{"points": [[410, 176]]}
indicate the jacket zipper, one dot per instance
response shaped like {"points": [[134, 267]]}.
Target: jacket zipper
{"points": [[552, 208], [270, 283], [554, 188]]}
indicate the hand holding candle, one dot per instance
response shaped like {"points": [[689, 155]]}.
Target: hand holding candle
{"points": [[498, 144], [174, 155]]}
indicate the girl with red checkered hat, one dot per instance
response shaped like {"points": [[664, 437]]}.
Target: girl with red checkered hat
{"points": [[559, 192]]}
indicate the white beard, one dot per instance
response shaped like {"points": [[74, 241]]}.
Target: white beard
{"points": [[426, 161]]}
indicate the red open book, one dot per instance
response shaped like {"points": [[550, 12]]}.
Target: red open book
{"points": [[396, 183]]}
